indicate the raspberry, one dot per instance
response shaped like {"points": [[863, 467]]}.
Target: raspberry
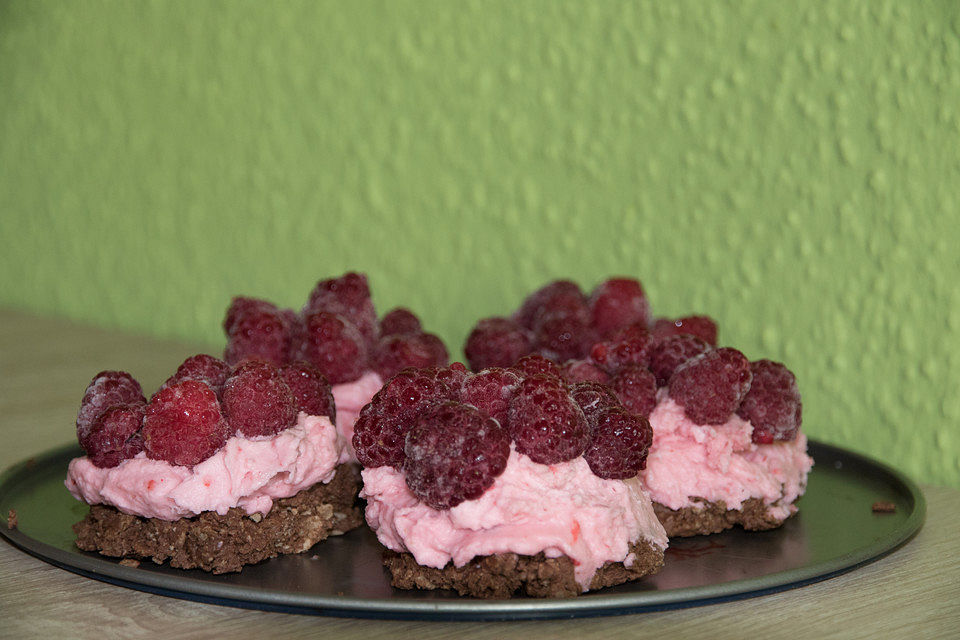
{"points": [[378, 438], [107, 389], [619, 445], [617, 303], [490, 391], [240, 306], [556, 296], [636, 388], [398, 352], [257, 331], [612, 356], [545, 423], [398, 322], [257, 402], [773, 403], [379, 432], [454, 453], [184, 425], [711, 386], [534, 365], [115, 435], [496, 342], [669, 352], [310, 389], [562, 336], [702, 327], [213, 371], [592, 398], [409, 392], [635, 331], [583, 371], [348, 296], [333, 345]]}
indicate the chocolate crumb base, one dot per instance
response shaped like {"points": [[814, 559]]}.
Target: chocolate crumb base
{"points": [[714, 517], [226, 543], [506, 574]]}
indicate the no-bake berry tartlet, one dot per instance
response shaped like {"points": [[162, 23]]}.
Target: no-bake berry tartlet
{"points": [[727, 447], [338, 332], [221, 468], [506, 481]]}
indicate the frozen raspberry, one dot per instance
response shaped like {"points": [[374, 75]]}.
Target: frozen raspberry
{"points": [[378, 437], [347, 296], [612, 356], [534, 365], [213, 371], [297, 332], [454, 453], [258, 331], [772, 405], [592, 398], [560, 295], [398, 322], [635, 331], [107, 389], [452, 376], [241, 306], [712, 385], [636, 388], [545, 423], [583, 371], [619, 445], [310, 389], [333, 345], [497, 342], [115, 435], [490, 391], [667, 353], [617, 303], [379, 432], [184, 425], [409, 392], [702, 327], [398, 352], [563, 336], [257, 402]]}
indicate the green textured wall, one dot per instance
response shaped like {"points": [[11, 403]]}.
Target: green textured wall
{"points": [[791, 170]]}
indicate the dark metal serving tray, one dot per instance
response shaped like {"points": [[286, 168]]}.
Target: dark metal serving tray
{"points": [[836, 531]]}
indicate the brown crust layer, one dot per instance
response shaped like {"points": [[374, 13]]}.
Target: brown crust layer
{"points": [[505, 574], [714, 517], [223, 544]]}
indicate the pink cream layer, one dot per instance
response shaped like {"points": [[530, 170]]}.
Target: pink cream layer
{"points": [[720, 462], [560, 509], [350, 397], [246, 473]]}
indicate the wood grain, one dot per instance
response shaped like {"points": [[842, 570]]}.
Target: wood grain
{"points": [[45, 365]]}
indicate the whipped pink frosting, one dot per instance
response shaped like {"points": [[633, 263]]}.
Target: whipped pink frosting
{"points": [[560, 509], [245, 473], [350, 397], [720, 462]]}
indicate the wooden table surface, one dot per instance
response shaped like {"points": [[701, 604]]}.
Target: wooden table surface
{"points": [[45, 365]]}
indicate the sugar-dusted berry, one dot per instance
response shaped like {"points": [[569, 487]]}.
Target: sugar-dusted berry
{"points": [[311, 391], [490, 391], [184, 425], [398, 322], [333, 345], [453, 453], [107, 389], [619, 444], [702, 327], [636, 388], [397, 352], [545, 423], [497, 342], [772, 405], [712, 385], [618, 303], [257, 401], [115, 435], [537, 365], [347, 296], [667, 353]]}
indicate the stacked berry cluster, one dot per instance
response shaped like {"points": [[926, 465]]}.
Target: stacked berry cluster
{"points": [[197, 409], [610, 338], [337, 331], [450, 430]]}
